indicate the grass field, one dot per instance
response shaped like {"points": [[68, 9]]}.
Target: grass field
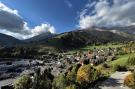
{"points": [[122, 60], [91, 47], [101, 46]]}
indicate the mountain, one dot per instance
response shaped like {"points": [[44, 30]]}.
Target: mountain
{"points": [[128, 31], [79, 38], [76, 38], [40, 37], [6, 40]]}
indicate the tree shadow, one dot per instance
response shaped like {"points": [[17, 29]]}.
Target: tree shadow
{"points": [[111, 82]]}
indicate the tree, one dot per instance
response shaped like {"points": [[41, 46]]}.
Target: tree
{"points": [[71, 87], [130, 81], [71, 75], [86, 75], [23, 82], [42, 80], [60, 82]]}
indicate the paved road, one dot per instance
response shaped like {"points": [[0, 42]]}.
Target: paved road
{"points": [[115, 81]]}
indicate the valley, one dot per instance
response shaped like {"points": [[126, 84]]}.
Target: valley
{"points": [[67, 44], [63, 56]]}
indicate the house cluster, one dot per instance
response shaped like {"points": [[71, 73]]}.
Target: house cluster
{"points": [[60, 62], [95, 56], [57, 62]]}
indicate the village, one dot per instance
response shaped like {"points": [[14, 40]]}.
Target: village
{"points": [[57, 62]]}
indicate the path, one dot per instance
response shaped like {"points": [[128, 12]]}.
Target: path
{"points": [[115, 81]]}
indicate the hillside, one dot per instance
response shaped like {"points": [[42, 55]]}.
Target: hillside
{"points": [[81, 38], [6, 40], [128, 31], [40, 37], [67, 40]]}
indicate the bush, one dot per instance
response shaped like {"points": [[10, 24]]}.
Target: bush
{"points": [[117, 67], [23, 82], [71, 74], [105, 65], [130, 80], [60, 82], [131, 60], [67, 80], [43, 80], [86, 75], [71, 87]]}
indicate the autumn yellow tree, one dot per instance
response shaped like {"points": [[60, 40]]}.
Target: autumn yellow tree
{"points": [[86, 75]]}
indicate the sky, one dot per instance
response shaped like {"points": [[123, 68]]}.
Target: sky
{"points": [[24, 19]]}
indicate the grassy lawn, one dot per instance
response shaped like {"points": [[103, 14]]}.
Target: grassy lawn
{"points": [[101, 46], [91, 47], [122, 60]]}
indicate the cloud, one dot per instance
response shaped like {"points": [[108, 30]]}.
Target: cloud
{"points": [[28, 33], [5, 8], [11, 23], [104, 13], [16, 35], [68, 3], [43, 28], [10, 19]]}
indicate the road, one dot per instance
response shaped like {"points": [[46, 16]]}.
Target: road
{"points": [[115, 81]]}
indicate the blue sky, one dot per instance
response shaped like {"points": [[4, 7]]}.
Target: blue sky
{"points": [[62, 14], [24, 19]]}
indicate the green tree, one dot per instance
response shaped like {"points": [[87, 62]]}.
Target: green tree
{"points": [[71, 87], [43, 80], [71, 74], [23, 82], [60, 82]]}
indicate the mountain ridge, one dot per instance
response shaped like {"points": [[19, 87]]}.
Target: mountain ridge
{"points": [[76, 37], [6, 40]]}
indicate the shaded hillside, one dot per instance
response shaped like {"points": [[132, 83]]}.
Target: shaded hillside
{"points": [[81, 38], [40, 37], [127, 31], [124, 34], [6, 40]]}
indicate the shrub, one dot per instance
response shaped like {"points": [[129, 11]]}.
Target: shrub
{"points": [[23, 82], [86, 75], [130, 80], [117, 67], [67, 80], [71, 74], [43, 80], [60, 82], [105, 65], [131, 60], [71, 87]]}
